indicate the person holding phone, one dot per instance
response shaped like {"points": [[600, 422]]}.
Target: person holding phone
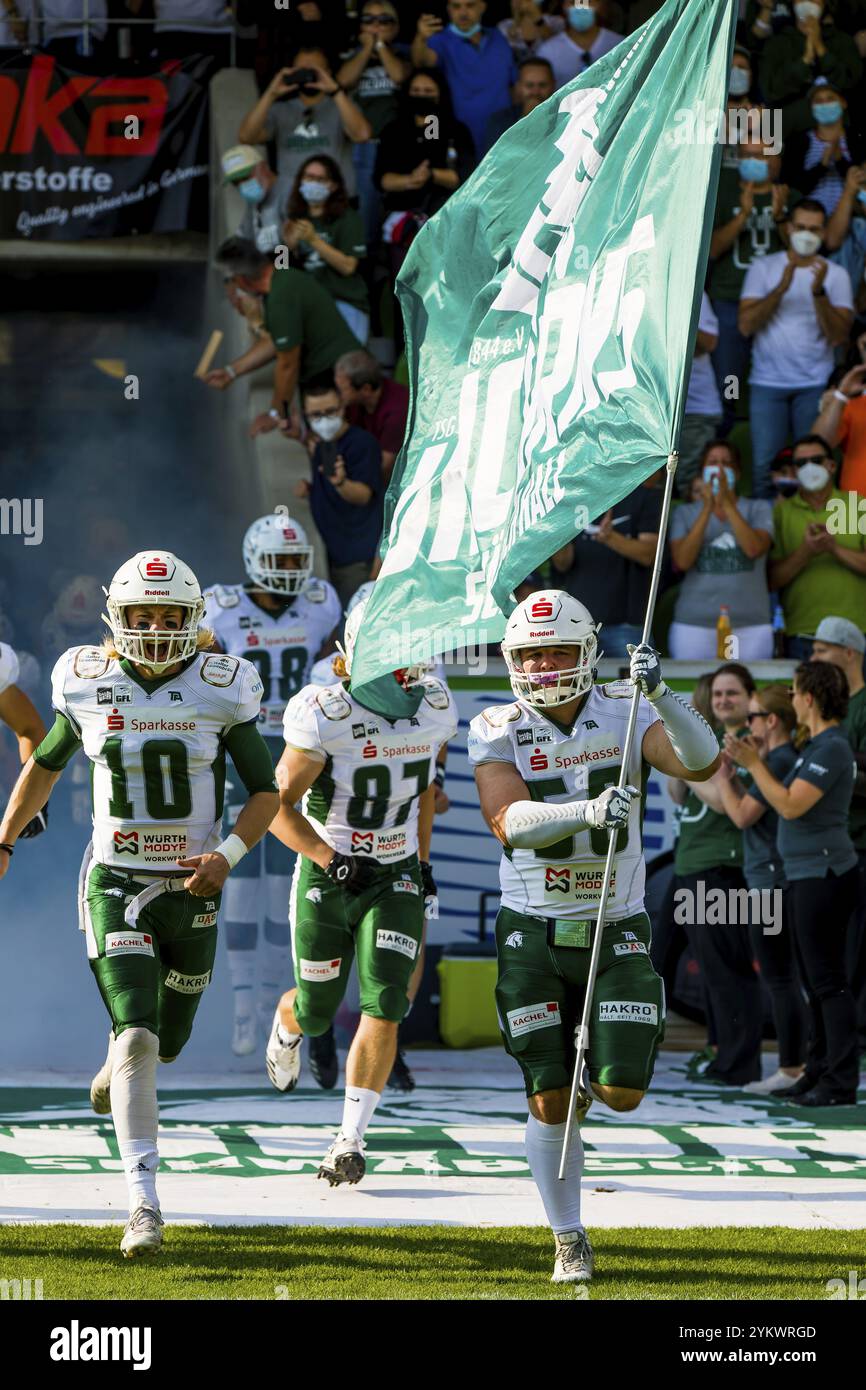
{"points": [[345, 490], [719, 545]]}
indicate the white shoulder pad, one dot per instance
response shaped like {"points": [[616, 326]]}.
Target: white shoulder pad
{"points": [[436, 694], [90, 662], [315, 591], [219, 670], [9, 667], [223, 596], [334, 702], [616, 690], [498, 715]]}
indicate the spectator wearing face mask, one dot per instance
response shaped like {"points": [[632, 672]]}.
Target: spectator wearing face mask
{"points": [[476, 61], [703, 411], [813, 567], [719, 544], [533, 86], [749, 220], [792, 60], [326, 239], [529, 26], [314, 117], [818, 159], [842, 423], [740, 78], [264, 196], [374, 75], [582, 41], [345, 489], [845, 238], [798, 307]]}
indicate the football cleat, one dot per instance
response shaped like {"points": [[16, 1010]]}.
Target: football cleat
{"points": [[143, 1233], [768, 1087], [401, 1078], [100, 1086], [244, 1035], [574, 1258], [344, 1161], [283, 1059], [322, 1056]]}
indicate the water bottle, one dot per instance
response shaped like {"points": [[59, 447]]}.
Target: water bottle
{"points": [[778, 631], [723, 632]]}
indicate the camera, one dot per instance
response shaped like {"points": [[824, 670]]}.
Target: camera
{"points": [[301, 78]]}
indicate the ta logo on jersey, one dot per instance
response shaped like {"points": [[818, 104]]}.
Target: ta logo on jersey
{"points": [[175, 696], [104, 695], [590, 724], [115, 722], [515, 940], [126, 842], [362, 842], [414, 723], [539, 762], [369, 750]]}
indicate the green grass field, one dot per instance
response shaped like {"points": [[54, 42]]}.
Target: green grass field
{"points": [[428, 1262]]}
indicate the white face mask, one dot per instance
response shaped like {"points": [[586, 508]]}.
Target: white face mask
{"points": [[813, 477], [327, 429], [739, 82], [805, 243], [807, 9]]}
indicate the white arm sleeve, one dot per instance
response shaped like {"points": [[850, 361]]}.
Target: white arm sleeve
{"points": [[690, 735], [535, 825]]}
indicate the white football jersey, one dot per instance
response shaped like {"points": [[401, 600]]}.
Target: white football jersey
{"points": [[9, 668], [564, 879], [365, 800], [158, 759], [282, 646]]}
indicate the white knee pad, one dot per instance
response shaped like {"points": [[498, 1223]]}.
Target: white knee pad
{"points": [[133, 1085]]}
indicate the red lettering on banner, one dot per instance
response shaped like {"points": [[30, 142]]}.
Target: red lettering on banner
{"points": [[140, 89], [39, 114]]}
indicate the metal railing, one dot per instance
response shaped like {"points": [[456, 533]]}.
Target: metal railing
{"points": [[88, 21]]}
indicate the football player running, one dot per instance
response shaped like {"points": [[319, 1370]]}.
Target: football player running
{"points": [[546, 767], [358, 889], [22, 717], [155, 713], [281, 619]]}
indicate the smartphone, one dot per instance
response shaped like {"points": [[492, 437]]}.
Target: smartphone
{"points": [[712, 475], [328, 451]]}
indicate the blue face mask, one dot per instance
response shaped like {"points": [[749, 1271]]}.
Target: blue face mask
{"points": [[465, 33], [861, 196], [314, 192], [754, 170], [826, 112], [251, 191], [581, 17]]}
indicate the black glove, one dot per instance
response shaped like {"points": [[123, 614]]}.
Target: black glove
{"points": [[428, 882], [36, 825], [350, 872]]}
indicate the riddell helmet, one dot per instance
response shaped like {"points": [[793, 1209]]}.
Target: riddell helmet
{"points": [[550, 618], [265, 541], [154, 577], [407, 675]]}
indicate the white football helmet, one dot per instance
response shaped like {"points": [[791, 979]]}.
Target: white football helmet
{"points": [[551, 618], [265, 541], [154, 577], [360, 595], [407, 675]]}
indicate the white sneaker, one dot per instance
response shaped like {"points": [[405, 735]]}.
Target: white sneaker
{"points": [[244, 1035], [344, 1161], [100, 1086], [143, 1233], [776, 1082], [574, 1258], [283, 1060]]}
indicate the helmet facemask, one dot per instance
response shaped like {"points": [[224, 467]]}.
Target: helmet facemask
{"points": [[267, 574], [169, 645], [547, 689]]}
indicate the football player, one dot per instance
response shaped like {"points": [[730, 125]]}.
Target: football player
{"points": [[281, 619], [546, 767], [22, 717], [358, 890], [155, 712]]}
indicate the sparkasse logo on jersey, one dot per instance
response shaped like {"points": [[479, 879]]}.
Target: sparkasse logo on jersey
{"points": [[369, 750], [539, 761], [115, 721]]}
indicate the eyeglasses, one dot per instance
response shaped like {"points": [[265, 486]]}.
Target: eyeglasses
{"points": [[330, 414], [758, 714]]}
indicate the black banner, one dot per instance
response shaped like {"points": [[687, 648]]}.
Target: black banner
{"points": [[88, 156]]}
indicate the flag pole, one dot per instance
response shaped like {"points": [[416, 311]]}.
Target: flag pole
{"points": [[581, 1035]]}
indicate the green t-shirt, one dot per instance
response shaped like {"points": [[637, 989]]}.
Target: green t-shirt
{"points": [[824, 585], [298, 312], [855, 727], [707, 840], [346, 233], [760, 236]]}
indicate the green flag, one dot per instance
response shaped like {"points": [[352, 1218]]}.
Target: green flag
{"points": [[550, 310]]}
